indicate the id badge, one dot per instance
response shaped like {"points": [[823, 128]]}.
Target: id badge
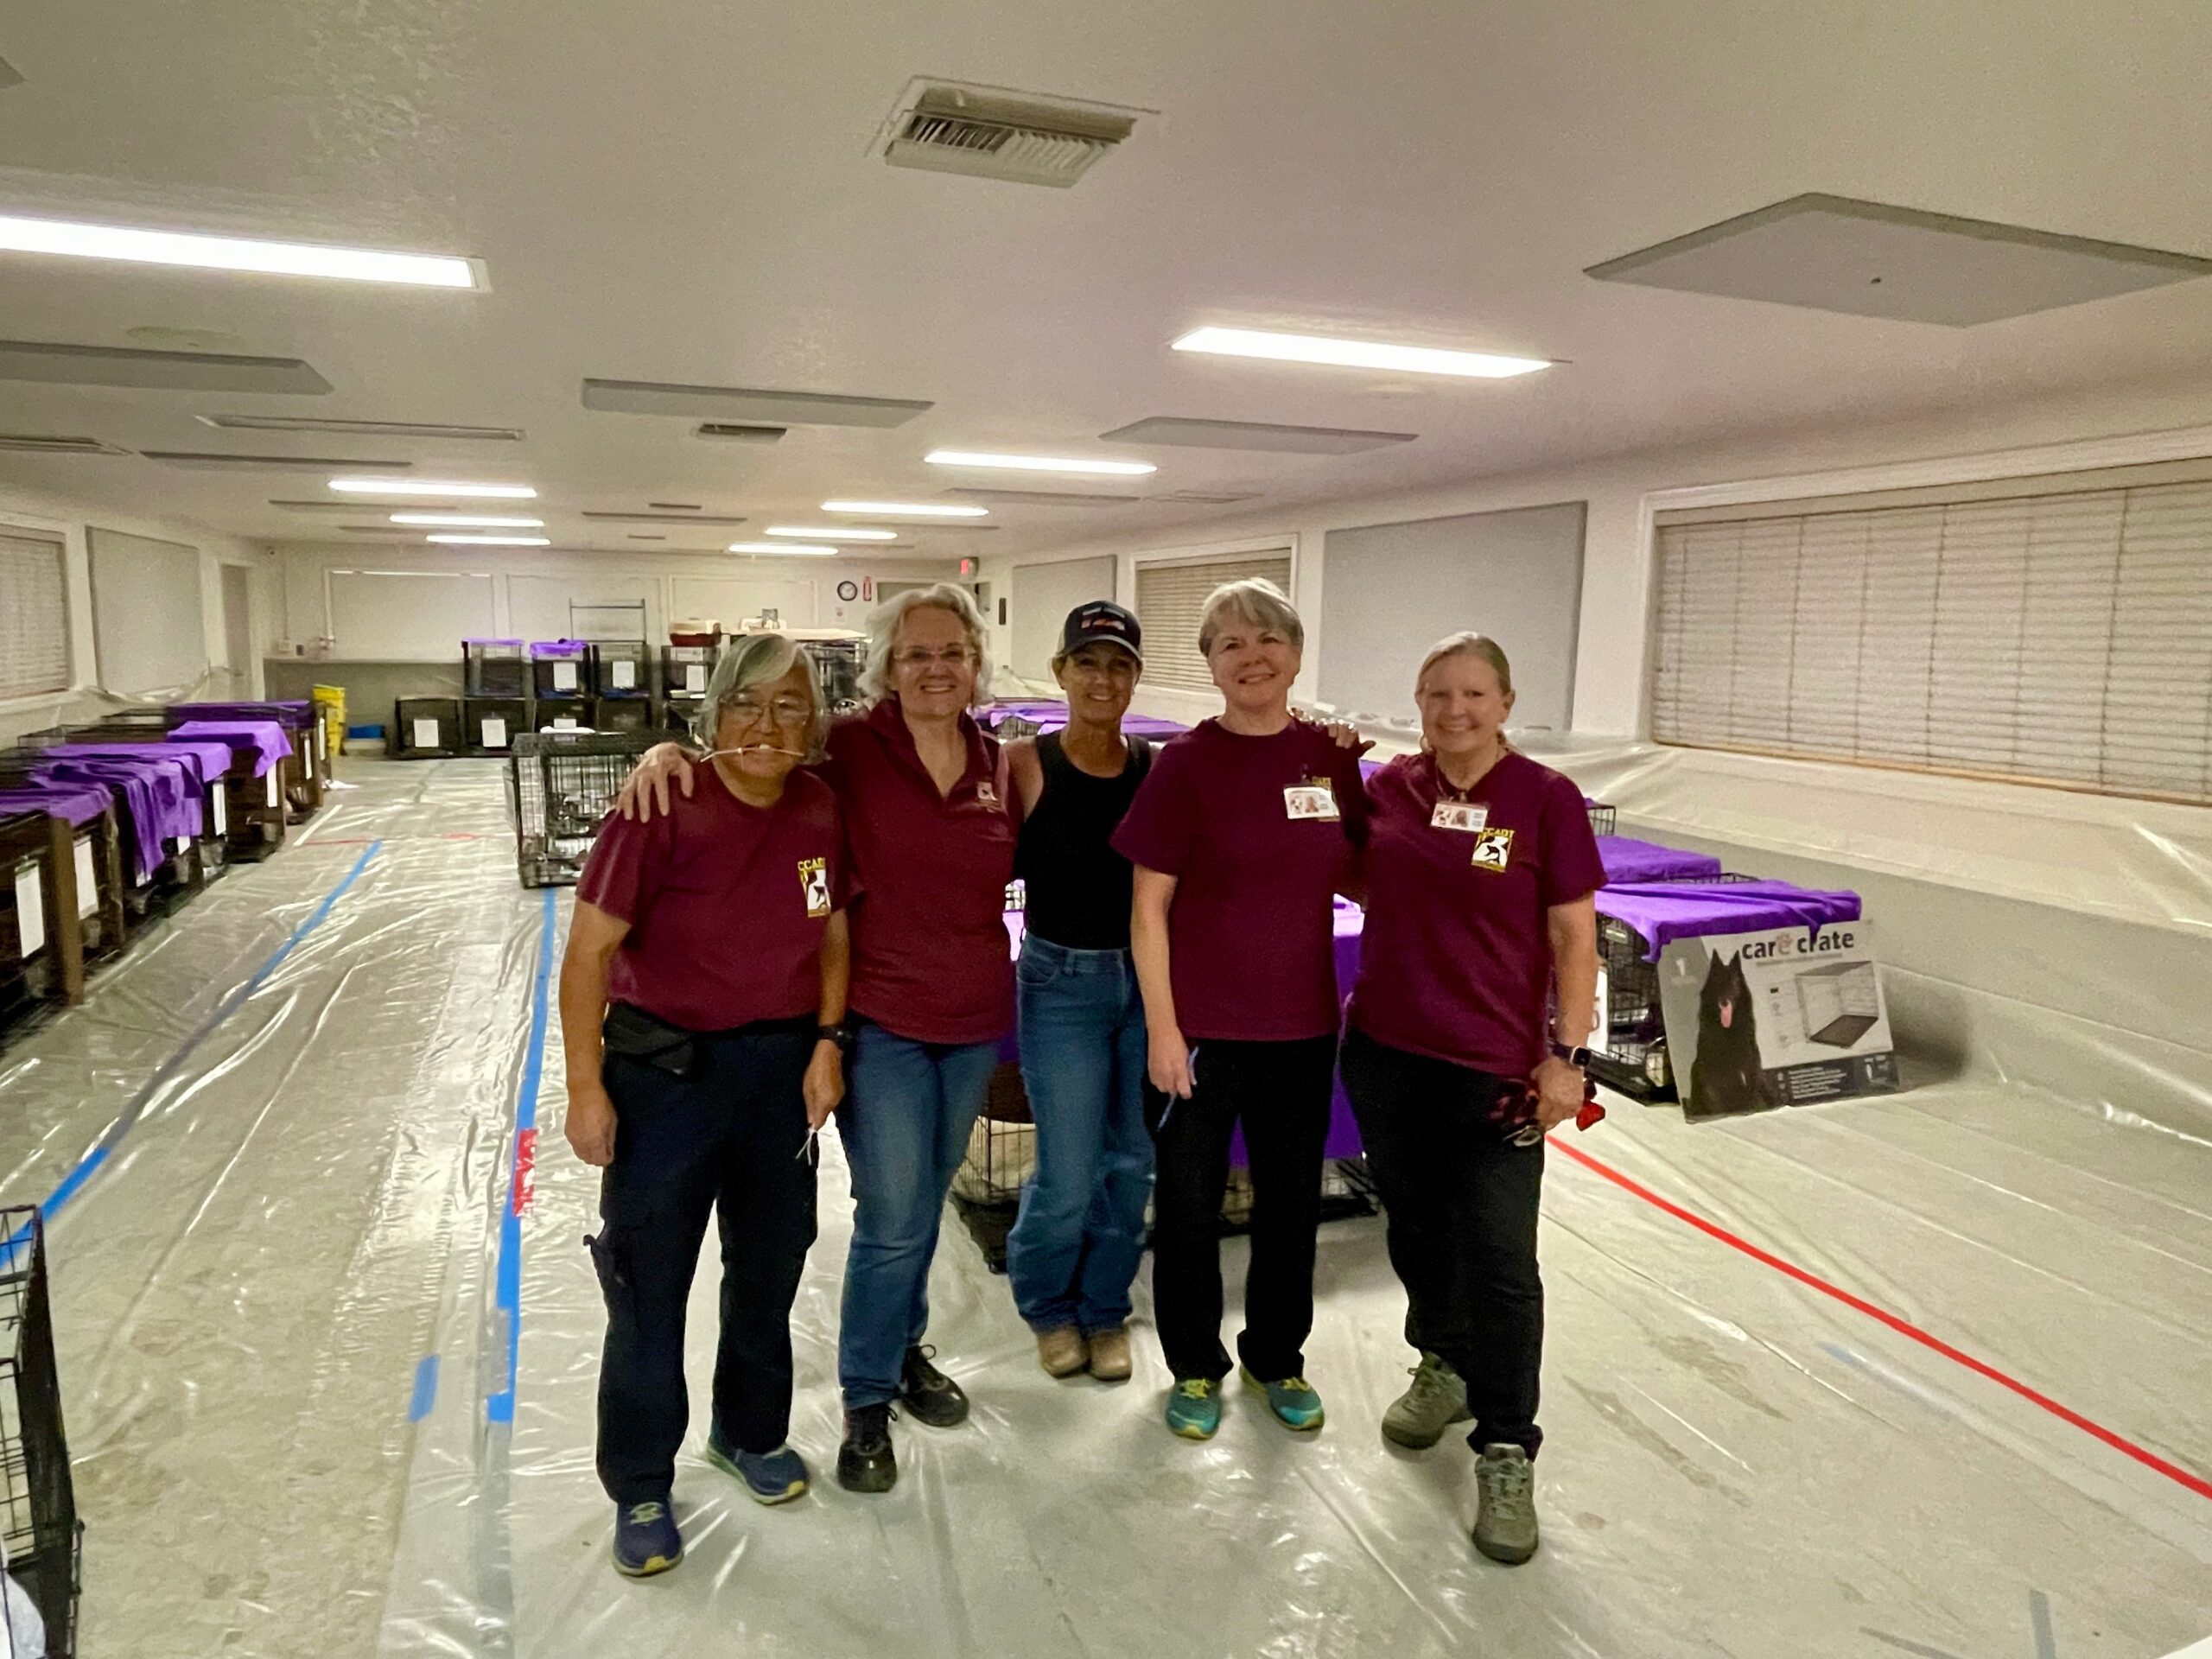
{"points": [[1313, 799], [1459, 814]]}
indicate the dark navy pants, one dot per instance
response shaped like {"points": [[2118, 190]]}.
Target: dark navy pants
{"points": [[724, 1140]]}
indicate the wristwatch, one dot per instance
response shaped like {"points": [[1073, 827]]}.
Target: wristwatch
{"points": [[1578, 1058], [840, 1033]]}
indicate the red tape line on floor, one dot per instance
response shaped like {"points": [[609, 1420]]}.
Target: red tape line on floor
{"points": [[2118, 1443], [525, 1186]]}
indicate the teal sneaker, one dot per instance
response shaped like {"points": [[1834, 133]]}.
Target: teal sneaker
{"points": [[646, 1539], [1293, 1401], [774, 1476], [1194, 1407]]}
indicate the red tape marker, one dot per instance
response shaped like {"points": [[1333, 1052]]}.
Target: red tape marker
{"points": [[525, 1160], [2118, 1443]]}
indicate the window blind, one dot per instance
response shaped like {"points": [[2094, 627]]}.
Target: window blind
{"points": [[33, 616], [1170, 600], [2058, 638]]}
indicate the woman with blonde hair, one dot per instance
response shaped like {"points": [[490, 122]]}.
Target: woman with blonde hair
{"points": [[930, 826], [1479, 871]]}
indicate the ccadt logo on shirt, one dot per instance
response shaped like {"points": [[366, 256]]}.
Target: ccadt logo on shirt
{"points": [[814, 882], [1493, 849]]}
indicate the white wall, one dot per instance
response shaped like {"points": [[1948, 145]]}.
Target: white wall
{"points": [[69, 519]]}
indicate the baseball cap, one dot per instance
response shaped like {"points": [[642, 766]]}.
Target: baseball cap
{"points": [[1101, 622]]}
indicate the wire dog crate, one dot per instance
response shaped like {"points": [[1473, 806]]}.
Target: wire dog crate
{"points": [[39, 1527], [1601, 817], [560, 786], [1634, 1057]]}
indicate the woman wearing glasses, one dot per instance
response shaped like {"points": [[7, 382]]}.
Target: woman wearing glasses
{"points": [[697, 1073], [929, 827], [1477, 982]]}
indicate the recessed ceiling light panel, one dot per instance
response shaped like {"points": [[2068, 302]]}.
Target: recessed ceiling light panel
{"points": [[1253, 435], [430, 487], [490, 541], [363, 429], [467, 520], [1355, 353], [788, 549], [290, 463], [154, 370], [205, 252], [906, 509], [1073, 467], [746, 405], [828, 532]]}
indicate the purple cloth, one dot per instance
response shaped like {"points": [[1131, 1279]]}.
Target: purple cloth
{"points": [[266, 736], [1048, 716], [82, 804], [209, 760], [294, 713], [1661, 911], [543, 649], [1629, 860], [161, 796]]}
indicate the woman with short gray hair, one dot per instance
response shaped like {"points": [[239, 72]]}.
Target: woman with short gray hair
{"points": [[1242, 834], [930, 819], [699, 1068]]}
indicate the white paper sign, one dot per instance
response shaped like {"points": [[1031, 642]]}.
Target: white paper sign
{"points": [[564, 722], [321, 737], [178, 843], [564, 676], [426, 735], [626, 675], [495, 732], [30, 911], [272, 785], [220, 807], [88, 880], [694, 678]]}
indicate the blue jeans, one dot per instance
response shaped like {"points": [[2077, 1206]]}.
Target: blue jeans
{"points": [[1075, 1247], [904, 1124]]}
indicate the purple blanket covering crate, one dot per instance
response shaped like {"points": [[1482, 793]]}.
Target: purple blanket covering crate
{"points": [[1629, 861], [270, 742], [82, 804], [1663, 911]]}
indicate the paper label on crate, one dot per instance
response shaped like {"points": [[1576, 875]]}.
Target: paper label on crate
{"points": [[426, 735], [88, 880], [321, 738], [625, 675], [694, 678], [272, 785], [221, 809], [30, 911], [564, 722], [178, 843], [495, 732], [564, 676]]}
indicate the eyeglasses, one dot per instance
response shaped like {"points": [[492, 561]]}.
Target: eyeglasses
{"points": [[922, 657], [787, 712]]}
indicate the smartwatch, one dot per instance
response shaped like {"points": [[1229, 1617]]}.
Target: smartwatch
{"points": [[840, 1033], [1578, 1058]]}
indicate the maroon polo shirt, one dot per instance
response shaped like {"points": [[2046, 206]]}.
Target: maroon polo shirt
{"points": [[931, 961], [1455, 961], [1250, 932], [727, 903]]}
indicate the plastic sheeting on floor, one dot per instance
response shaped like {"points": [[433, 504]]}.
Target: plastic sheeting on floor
{"points": [[287, 1298]]}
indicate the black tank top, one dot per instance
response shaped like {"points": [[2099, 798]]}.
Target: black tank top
{"points": [[1078, 885]]}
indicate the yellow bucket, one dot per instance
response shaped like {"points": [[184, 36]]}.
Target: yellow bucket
{"points": [[331, 701]]}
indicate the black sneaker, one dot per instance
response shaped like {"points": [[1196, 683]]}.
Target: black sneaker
{"points": [[866, 1462], [931, 1397]]}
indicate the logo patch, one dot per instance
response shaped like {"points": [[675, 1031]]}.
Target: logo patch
{"points": [[814, 884], [1493, 849], [987, 793]]}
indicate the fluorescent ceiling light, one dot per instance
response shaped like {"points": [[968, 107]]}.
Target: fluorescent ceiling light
{"points": [[790, 549], [234, 253], [839, 532], [906, 509], [491, 541], [1355, 353], [1040, 464], [467, 520], [430, 487]]}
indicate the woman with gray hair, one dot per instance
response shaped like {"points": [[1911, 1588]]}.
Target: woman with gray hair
{"points": [[930, 821], [1242, 834], [698, 1071]]}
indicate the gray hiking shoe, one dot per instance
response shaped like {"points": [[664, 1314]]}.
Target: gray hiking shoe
{"points": [[1505, 1523], [1438, 1398]]}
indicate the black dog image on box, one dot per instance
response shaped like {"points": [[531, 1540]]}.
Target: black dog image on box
{"points": [[1727, 1076]]}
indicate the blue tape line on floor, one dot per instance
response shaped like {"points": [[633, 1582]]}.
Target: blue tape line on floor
{"points": [[500, 1405], [73, 1183], [426, 1388]]}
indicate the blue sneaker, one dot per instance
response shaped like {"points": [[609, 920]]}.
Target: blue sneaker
{"points": [[1293, 1401], [1194, 1407], [774, 1476], [646, 1539]]}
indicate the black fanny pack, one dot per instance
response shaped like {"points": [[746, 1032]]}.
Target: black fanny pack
{"points": [[636, 1035]]}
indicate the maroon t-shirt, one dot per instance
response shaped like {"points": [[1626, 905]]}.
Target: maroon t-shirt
{"points": [[727, 903], [931, 956], [1455, 960], [1252, 930]]}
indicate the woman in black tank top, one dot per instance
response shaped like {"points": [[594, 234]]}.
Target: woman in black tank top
{"points": [[1075, 1247]]}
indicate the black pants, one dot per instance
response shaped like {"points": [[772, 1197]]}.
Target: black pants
{"points": [[1460, 1201], [1280, 1091], [726, 1141]]}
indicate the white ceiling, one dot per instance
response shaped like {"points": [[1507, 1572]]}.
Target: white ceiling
{"points": [[682, 191]]}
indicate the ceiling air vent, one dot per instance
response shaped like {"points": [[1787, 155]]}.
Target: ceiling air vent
{"points": [[358, 429], [34, 444], [993, 132], [1048, 497], [1207, 499], [734, 432]]}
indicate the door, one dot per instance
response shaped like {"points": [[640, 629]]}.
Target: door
{"points": [[238, 629]]}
